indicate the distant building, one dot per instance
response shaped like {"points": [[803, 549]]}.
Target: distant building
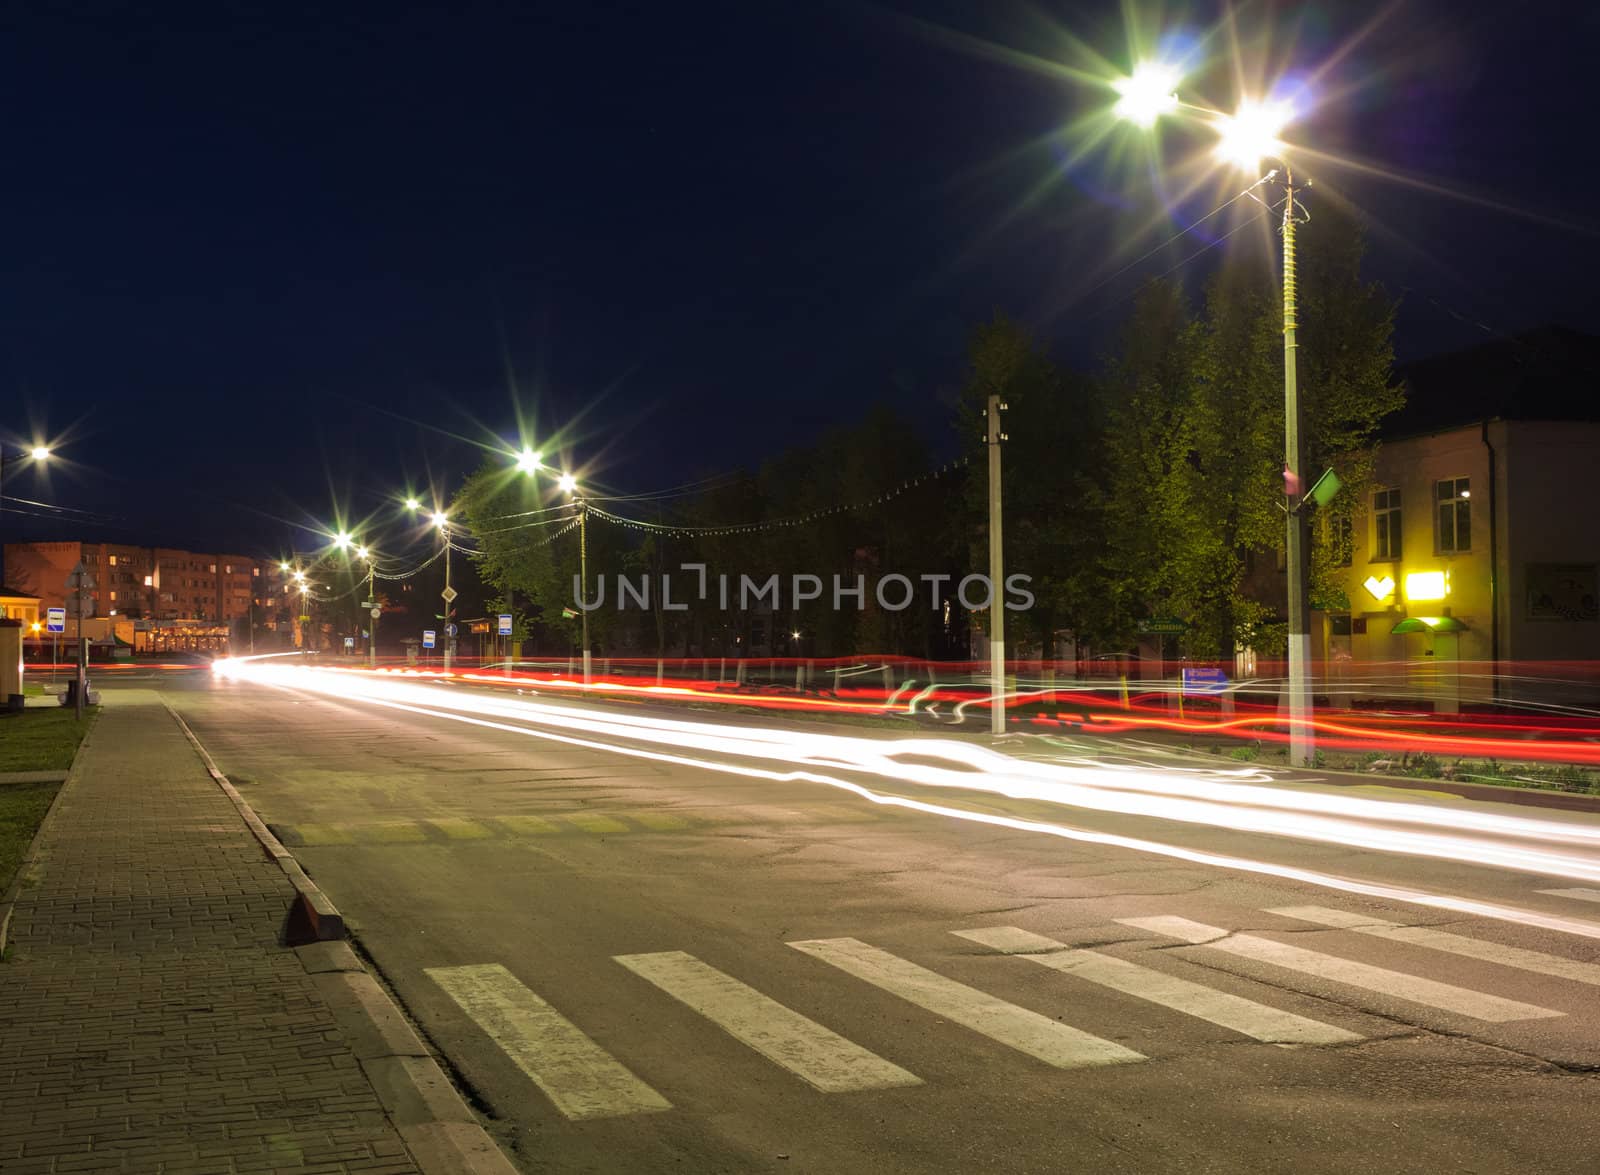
{"points": [[19, 605], [1471, 553], [153, 598]]}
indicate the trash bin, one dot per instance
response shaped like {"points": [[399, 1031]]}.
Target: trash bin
{"points": [[69, 696]]}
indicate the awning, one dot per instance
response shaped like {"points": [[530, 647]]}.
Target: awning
{"points": [[1429, 624]]}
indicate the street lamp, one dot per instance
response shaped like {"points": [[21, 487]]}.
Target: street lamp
{"points": [[441, 522], [39, 453], [372, 607], [569, 486], [1244, 138]]}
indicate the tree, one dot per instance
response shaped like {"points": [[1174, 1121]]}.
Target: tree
{"points": [[1052, 469]]}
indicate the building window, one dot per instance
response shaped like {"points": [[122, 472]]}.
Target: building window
{"points": [[1386, 524], [228, 567], [1453, 501], [113, 595], [149, 581], [113, 559], [213, 569], [255, 571]]}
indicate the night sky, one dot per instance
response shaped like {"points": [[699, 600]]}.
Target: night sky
{"points": [[262, 260]]}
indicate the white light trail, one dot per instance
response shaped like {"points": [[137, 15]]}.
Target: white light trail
{"points": [[1227, 799]]}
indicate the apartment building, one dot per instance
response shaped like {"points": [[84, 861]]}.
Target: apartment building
{"points": [[141, 583]]}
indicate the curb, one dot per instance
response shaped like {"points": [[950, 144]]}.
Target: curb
{"points": [[320, 914], [440, 1130], [8, 900]]}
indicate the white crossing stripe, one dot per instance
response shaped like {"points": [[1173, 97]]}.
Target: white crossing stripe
{"points": [[1583, 895], [813, 1053], [1039, 1036], [580, 1077], [1439, 940], [1428, 992], [1193, 999]]}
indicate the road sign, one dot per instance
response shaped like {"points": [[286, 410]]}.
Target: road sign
{"points": [[427, 638], [449, 595], [449, 630], [80, 605], [1163, 626], [376, 611], [349, 642], [505, 624], [55, 619], [80, 577], [1201, 680]]}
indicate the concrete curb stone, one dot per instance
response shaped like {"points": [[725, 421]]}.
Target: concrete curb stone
{"points": [[438, 1127]]}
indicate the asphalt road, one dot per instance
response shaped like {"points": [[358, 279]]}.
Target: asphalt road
{"points": [[639, 964]]}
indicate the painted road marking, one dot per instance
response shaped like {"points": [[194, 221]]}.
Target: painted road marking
{"points": [[576, 1074], [659, 821], [1439, 940], [1583, 895], [1192, 999], [1039, 1036], [596, 822], [1427, 992], [459, 829], [526, 825], [816, 1055]]}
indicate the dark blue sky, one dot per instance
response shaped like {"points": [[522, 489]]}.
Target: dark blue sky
{"points": [[686, 234]]}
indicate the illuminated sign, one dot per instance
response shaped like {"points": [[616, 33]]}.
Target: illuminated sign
{"points": [[1426, 585], [1381, 589]]}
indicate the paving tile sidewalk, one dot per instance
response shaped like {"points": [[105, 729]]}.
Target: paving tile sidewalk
{"points": [[150, 1019]]}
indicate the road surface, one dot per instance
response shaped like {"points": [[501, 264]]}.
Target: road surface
{"points": [[647, 955]]}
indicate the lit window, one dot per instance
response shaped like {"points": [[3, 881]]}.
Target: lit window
{"points": [[1453, 501], [213, 569], [1386, 524], [149, 581], [113, 595], [255, 571], [228, 567], [113, 559]]}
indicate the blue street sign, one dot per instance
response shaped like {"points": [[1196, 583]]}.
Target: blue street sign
{"points": [[55, 620], [505, 624], [427, 638], [1199, 680], [449, 630]]}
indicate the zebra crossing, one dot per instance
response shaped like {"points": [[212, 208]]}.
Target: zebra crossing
{"points": [[584, 1080]]}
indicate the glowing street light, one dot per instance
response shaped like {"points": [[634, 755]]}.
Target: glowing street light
{"points": [[567, 484], [342, 540], [40, 453], [362, 553], [530, 461], [413, 504], [440, 519], [1251, 133], [1148, 93], [1246, 137]]}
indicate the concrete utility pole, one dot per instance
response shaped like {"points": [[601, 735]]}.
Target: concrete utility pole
{"points": [[583, 576], [1301, 741], [997, 610], [448, 594]]}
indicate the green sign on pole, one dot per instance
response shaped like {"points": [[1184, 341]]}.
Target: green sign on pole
{"points": [[1163, 626]]}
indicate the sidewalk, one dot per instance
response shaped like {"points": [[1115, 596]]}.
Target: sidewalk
{"points": [[150, 1018]]}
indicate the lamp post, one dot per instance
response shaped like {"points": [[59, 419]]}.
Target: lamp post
{"points": [[38, 453], [371, 609], [442, 521], [569, 485], [1245, 138]]}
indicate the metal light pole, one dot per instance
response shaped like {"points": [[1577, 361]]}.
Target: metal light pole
{"points": [[583, 576], [1245, 138], [997, 611], [1301, 743], [448, 594]]}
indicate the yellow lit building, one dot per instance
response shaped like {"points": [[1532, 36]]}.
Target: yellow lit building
{"points": [[1474, 568]]}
